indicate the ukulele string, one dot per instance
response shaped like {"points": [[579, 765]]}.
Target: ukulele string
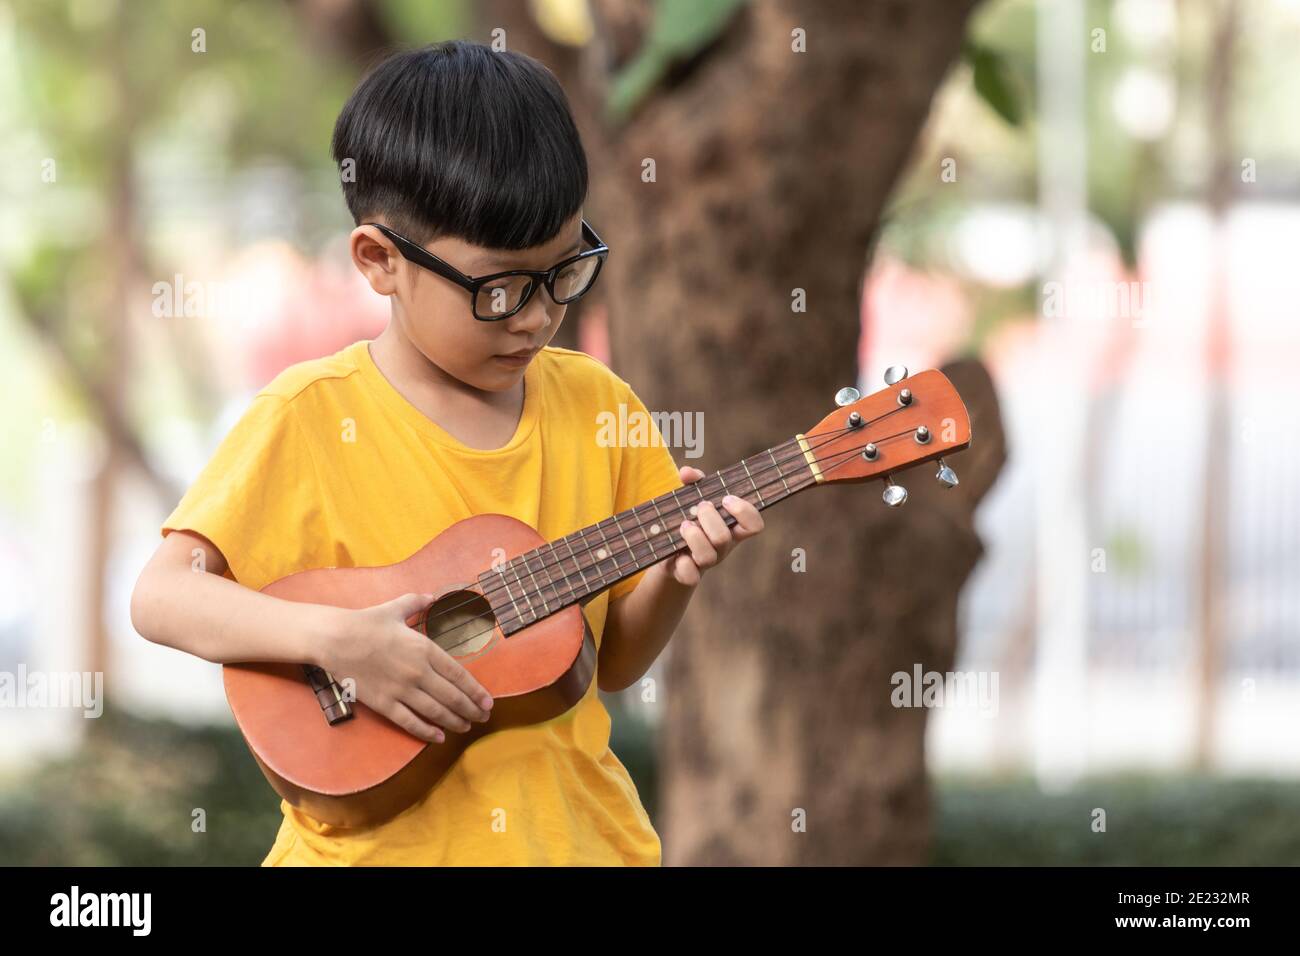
{"points": [[586, 548], [847, 455], [644, 509]]}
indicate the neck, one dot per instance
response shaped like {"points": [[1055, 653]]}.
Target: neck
{"points": [[571, 569], [430, 388]]}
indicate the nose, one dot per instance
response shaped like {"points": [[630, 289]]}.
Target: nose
{"points": [[534, 316]]}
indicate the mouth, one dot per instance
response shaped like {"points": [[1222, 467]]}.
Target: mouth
{"points": [[521, 357]]}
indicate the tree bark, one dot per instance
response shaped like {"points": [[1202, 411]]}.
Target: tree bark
{"points": [[772, 169]]}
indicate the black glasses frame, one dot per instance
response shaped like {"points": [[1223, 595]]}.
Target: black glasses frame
{"points": [[472, 284]]}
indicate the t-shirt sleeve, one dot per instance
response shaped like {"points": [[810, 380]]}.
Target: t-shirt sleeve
{"points": [[646, 471], [256, 498]]}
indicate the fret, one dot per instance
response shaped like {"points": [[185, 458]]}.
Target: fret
{"points": [[577, 564], [662, 525], [618, 524], [605, 548], [550, 582], [501, 571], [532, 577], [655, 505], [678, 511], [721, 478], [525, 590], [758, 494], [694, 509], [780, 473], [653, 538], [722, 482]]}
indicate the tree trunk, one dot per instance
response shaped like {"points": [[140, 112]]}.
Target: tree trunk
{"points": [[771, 171]]}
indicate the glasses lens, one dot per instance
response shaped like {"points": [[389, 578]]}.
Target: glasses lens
{"points": [[575, 278], [500, 297]]}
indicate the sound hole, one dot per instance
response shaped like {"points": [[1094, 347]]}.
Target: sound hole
{"points": [[460, 623]]}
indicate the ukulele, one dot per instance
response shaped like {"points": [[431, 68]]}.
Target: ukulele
{"points": [[516, 623]]}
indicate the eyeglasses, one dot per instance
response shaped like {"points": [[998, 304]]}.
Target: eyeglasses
{"points": [[502, 294]]}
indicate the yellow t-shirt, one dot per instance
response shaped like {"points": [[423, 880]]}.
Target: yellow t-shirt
{"points": [[332, 467]]}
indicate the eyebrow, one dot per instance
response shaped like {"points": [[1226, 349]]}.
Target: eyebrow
{"points": [[479, 265]]}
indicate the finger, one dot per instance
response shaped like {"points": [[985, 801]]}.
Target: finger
{"points": [[702, 550], [406, 606], [451, 695], [446, 666], [427, 703], [459, 707], [685, 570], [406, 718], [749, 520], [706, 513], [689, 474]]}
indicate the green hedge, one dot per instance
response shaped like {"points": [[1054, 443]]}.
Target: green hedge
{"points": [[127, 798], [1150, 821]]}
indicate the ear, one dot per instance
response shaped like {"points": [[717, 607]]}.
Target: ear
{"points": [[376, 258]]}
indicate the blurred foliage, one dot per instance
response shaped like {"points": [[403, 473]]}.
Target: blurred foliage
{"points": [[993, 307], [633, 742], [680, 30], [1150, 821], [995, 81], [1126, 550], [127, 796], [426, 22]]}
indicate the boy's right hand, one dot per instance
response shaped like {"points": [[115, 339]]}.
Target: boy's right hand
{"points": [[399, 673]]}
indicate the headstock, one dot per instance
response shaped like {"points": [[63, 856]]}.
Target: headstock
{"points": [[912, 420]]}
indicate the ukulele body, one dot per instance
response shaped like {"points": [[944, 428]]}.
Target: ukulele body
{"points": [[364, 769]]}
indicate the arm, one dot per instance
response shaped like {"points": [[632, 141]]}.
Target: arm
{"points": [[217, 619], [400, 674], [639, 625]]}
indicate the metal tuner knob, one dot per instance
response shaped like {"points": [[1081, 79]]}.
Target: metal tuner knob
{"points": [[894, 495]]}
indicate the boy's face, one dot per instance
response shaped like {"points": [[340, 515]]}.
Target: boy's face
{"points": [[435, 316]]}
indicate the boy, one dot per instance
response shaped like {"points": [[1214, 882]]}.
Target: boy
{"points": [[467, 164]]}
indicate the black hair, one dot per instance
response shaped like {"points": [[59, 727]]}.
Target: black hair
{"points": [[456, 139]]}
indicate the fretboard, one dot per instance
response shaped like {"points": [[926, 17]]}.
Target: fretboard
{"points": [[566, 571]]}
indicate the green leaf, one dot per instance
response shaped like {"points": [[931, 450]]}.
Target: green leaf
{"points": [[994, 81], [679, 30]]}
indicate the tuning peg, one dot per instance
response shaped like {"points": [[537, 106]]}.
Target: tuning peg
{"points": [[894, 495], [895, 374], [947, 477], [847, 395]]}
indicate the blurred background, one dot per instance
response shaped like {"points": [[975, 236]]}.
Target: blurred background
{"points": [[1085, 212]]}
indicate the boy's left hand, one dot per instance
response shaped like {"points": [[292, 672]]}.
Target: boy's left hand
{"points": [[707, 534]]}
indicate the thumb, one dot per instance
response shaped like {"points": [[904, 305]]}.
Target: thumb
{"points": [[689, 474], [407, 605]]}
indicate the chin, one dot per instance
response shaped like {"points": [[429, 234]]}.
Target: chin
{"points": [[500, 377]]}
